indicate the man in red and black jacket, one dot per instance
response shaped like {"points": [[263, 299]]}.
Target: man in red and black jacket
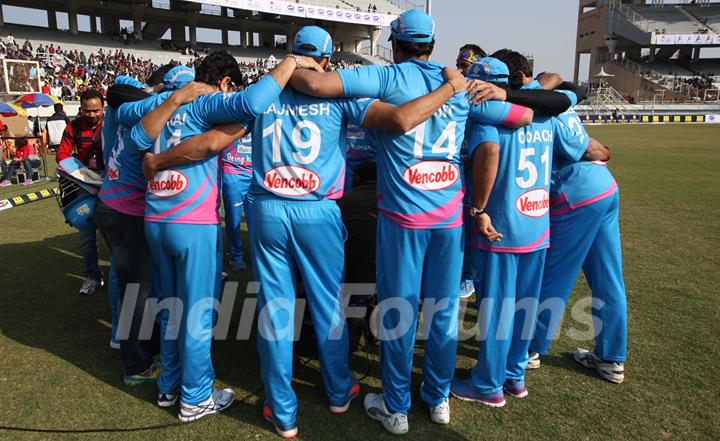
{"points": [[83, 138]]}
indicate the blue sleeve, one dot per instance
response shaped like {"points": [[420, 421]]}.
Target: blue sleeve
{"points": [[368, 81], [224, 108], [130, 113], [357, 109], [571, 140], [490, 112], [142, 140], [482, 133]]}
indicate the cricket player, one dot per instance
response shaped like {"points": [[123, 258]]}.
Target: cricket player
{"points": [[511, 175], [420, 192], [236, 163], [182, 227], [584, 204], [299, 150]]}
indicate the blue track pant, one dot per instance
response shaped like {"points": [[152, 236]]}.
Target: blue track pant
{"points": [[508, 288], [414, 265], [588, 237], [288, 238], [189, 261], [234, 194], [113, 295]]}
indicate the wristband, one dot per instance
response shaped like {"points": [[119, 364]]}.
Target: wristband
{"points": [[475, 212]]}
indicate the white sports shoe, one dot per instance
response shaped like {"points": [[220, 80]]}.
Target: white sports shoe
{"points": [[90, 285], [220, 400], [609, 370], [440, 414], [467, 288], [168, 400], [395, 423], [533, 360]]}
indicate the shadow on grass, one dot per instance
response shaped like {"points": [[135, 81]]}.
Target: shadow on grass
{"points": [[46, 313]]}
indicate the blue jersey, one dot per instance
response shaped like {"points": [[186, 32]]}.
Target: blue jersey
{"points": [[576, 184], [299, 146], [520, 199], [236, 159], [420, 183], [123, 187], [188, 194], [359, 149]]}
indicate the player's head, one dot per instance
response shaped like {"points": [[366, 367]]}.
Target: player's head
{"points": [[314, 41], [58, 108], [467, 56], [177, 77], [155, 80], [491, 70], [521, 71], [129, 81], [92, 106], [412, 35], [219, 69]]}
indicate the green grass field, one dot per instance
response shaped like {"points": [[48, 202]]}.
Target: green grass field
{"points": [[57, 371]]}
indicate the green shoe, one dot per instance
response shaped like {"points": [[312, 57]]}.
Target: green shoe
{"points": [[148, 376]]}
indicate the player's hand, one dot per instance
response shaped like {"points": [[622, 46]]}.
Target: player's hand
{"points": [[486, 229], [481, 91], [148, 167], [304, 62], [455, 78], [192, 90]]}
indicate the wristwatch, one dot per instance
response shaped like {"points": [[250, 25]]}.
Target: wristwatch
{"points": [[475, 212]]}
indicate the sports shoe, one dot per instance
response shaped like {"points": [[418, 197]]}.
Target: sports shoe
{"points": [[5, 183], [224, 276], [282, 430], [463, 390], [467, 288], [440, 414], [27, 182], [515, 388], [114, 343], [168, 400], [533, 360], [220, 400], [148, 376], [341, 409], [395, 423], [611, 371], [90, 285]]}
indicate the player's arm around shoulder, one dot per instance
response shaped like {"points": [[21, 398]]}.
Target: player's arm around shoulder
{"points": [[401, 119], [197, 148]]}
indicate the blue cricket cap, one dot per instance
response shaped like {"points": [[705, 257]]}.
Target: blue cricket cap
{"points": [[489, 69], [129, 81], [313, 41], [413, 26], [177, 77]]}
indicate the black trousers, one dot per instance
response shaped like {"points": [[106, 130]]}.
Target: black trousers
{"points": [[125, 236]]}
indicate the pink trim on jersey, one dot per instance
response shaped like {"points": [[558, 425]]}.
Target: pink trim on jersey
{"points": [[339, 184], [428, 219], [230, 170], [558, 200], [514, 116], [132, 203], [202, 210], [570, 207], [523, 249]]}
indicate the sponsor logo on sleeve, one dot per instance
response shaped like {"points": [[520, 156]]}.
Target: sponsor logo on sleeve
{"points": [[113, 174], [291, 180], [167, 184], [534, 203], [431, 175]]}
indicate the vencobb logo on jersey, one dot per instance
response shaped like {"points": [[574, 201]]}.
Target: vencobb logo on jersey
{"points": [[534, 203], [168, 183], [291, 180], [431, 175]]}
